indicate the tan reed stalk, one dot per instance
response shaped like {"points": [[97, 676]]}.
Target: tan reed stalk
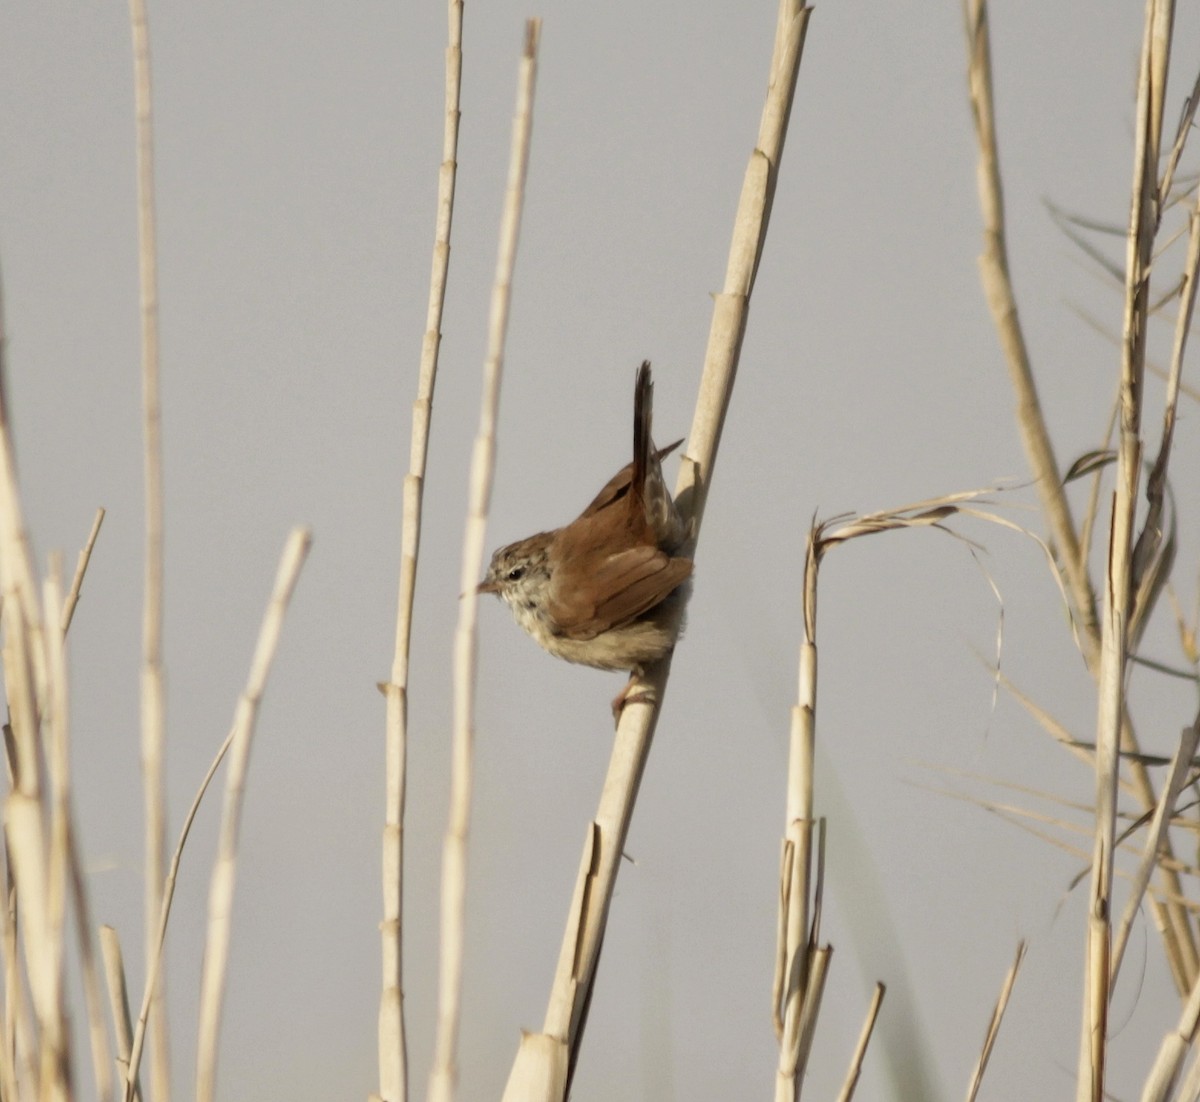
{"points": [[118, 1005], [66, 870], [393, 1049], [153, 704], [801, 962], [993, 1029], [220, 892], [795, 986], [998, 289], [85, 557], [544, 1066], [54, 740], [443, 1075], [860, 1050], [1114, 637]]}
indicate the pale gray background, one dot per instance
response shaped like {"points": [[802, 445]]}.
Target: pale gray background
{"points": [[297, 154]]}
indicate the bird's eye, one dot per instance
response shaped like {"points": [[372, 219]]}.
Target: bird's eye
{"points": [[516, 573]]}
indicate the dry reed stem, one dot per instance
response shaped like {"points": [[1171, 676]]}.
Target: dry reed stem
{"points": [[443, 1073], [791, 990], [66, 870], [800, 961], [860, 1049], [570, 995], [998, 289], [1114, 640], [993, 1029], [85, 557], [153, 705], [221, 886], [56, 1060], [393, 1049], [118, 1006]]}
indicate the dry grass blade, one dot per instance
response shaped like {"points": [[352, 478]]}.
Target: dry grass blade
{"points": [[993, 1030], [393, 1054], [220, 896], [443, 1073], [153, 704], [860, 1050], [1070, 224]]}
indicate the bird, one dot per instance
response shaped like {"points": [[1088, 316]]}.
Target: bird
{"points": [[607, 590]]}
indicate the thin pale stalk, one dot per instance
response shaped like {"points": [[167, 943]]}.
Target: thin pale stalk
{"points": [[55, 1057], [443, 1075], [220, 892], [993, 1029], [66, 867], [153, 703], [792, 960], [85, 557], [118, 1005], [860, 1050], [1143, 221], [1001, 299], [393, 1049]]}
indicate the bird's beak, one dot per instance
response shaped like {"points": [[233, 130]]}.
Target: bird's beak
{"points": [[487, 587]]}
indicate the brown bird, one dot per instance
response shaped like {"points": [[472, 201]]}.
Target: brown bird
{"points": [[606, 590]]}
